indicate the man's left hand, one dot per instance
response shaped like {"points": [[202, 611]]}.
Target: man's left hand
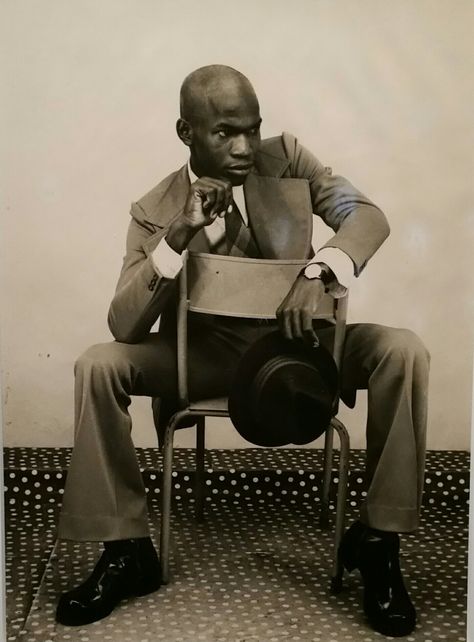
{"points": [[297, 310]]}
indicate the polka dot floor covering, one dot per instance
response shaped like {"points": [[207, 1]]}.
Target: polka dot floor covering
{"points": [[255, 570]]}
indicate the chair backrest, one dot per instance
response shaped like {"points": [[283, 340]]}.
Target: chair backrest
{"points": [[242, 287]]}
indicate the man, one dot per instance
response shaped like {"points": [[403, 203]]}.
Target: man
{"points": [[238, 195]]}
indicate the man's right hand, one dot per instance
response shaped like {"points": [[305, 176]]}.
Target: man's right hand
{"points": [[207, 199]]}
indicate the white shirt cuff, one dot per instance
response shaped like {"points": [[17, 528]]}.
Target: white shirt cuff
{"points": [[339, 262], [166, 261]]}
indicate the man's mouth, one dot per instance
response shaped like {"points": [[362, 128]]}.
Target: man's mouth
{"points": [[239, 169]]}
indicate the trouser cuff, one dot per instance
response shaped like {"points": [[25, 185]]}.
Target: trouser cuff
{"points": [[101, 529], [388, 518]]}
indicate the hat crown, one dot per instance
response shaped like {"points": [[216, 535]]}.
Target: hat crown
{"points": [[284, 392]]}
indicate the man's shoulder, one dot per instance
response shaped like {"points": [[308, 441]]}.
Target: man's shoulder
{"points": [[279, 146], [170, 188]]}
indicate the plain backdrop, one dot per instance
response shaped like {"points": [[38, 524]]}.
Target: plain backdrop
{"points": [[381, 91]]}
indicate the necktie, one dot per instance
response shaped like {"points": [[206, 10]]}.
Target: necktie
{"points": [[239, 238]]}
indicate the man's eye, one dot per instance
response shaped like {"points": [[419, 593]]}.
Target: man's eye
{"points": [[254, 131], [222, 133]]}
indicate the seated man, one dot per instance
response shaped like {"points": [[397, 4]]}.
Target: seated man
{"points": [[237, 196]]}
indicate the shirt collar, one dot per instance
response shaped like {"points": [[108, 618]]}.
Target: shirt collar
{"points": [[191, 174]]}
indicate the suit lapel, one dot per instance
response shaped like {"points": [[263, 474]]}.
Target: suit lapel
{"points": [[267, 164], [279, 209], [280, 215]]}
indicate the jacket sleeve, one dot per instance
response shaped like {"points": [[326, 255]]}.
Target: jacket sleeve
{"points": [[360, 226], [142, 292]]}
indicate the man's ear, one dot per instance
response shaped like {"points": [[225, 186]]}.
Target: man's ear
{"points": [[184, 131]]}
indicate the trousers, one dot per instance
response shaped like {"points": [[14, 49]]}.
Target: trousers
{"points": [[104, 497]]}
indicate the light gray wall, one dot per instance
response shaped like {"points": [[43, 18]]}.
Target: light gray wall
{"points": [[379, 90]]}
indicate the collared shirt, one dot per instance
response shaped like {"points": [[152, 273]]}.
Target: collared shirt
{"points": [[169, 263]]}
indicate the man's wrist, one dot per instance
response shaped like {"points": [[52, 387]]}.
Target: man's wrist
{"points": [[166, 261], [319, 271], [340, 264], [180, 234]]}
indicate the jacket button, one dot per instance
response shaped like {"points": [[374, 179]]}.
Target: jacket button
{"points": [[152, 283]]}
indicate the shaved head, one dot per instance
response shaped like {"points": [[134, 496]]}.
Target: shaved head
{"points": [[204, 86], [220, 123]]}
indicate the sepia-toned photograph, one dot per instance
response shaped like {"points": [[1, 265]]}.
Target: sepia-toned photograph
{"points": [[236, 320]]}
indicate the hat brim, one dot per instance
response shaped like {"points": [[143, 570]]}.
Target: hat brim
{"points": [[271, 430]]}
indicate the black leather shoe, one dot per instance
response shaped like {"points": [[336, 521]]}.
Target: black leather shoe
{"points": [[127, 568], [387, 604]]}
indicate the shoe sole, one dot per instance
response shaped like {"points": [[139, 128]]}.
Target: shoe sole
{"points": [[100, 615]]}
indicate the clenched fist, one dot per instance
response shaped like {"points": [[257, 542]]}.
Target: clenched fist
{"points": [[207, 199]]}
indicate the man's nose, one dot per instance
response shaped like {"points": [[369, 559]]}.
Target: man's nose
{"points": [[241, 146]]}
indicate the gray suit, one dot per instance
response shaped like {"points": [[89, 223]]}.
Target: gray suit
{"points": [[104, 497]]}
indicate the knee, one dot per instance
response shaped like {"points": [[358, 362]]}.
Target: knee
{"points": [[413, 346], [403, 345], [100, 358]]}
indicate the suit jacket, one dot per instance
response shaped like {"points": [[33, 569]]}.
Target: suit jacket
{"points": [[287, 185]]}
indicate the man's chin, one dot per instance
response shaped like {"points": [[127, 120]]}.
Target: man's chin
{"points": [[237, 177]]}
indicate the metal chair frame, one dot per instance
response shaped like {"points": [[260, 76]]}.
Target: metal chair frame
{"points": [[194, 297]]}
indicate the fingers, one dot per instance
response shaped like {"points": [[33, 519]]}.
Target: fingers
{"points": [[297, 324], [298, 309], [284, 323], [309, 335], [215, 195]]}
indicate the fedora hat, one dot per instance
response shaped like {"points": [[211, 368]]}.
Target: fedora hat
{"points": [[283, 392]]}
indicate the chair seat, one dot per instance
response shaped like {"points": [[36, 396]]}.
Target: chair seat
{"points": [[218, 405]]}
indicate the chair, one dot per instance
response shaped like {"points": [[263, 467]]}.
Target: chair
{"points": [[204, 288]]}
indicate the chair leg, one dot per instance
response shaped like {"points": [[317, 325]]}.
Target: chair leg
{"points": [[338, 570], [166, 491], [200, 488], [327, 474]]}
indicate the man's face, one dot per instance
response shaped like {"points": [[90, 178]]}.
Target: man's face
{"points": [[226, 136]]}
